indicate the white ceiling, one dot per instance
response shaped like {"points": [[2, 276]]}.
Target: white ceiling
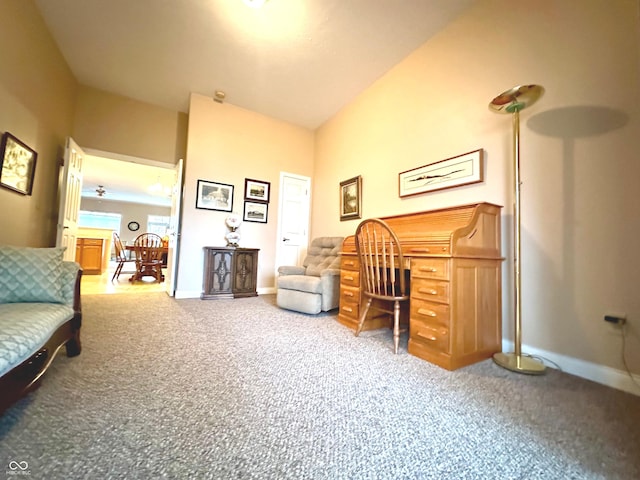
{"points": [[126, 181], [299, 61]]}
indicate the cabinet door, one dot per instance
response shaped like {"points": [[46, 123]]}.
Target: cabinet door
{"points": [[89, 255], [217, 273], [245, 273]]}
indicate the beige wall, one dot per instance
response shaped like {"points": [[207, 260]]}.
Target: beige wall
{"points": [[116, 124], [579, 158], [228, 144], [37, 99]]}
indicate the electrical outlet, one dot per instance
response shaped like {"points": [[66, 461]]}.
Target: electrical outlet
{"points": [[618, 319]]}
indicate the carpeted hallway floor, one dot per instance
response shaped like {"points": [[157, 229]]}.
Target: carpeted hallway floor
{"points": [[239, 389]]}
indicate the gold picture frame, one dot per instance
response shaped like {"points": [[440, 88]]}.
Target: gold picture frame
{"points": [[18, 165], [351, 198], [464, 169]]}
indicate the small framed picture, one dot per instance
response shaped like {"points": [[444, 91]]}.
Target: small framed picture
{"points": [[214, 196], [256, 190], [255, 212], [464, 169], [18, 163], [351, 198]]}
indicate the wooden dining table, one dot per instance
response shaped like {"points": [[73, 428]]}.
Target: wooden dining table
{"points": [[165, 252], [147, 270]]}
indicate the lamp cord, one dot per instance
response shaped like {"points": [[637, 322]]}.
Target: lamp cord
{"points": [[624, 359]]}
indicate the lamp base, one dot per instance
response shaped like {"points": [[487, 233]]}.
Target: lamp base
{"points": [[519, 364]]}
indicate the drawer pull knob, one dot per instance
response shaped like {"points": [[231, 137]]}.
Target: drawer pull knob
{"points": [[348, 277], [348, 293], [428, 291], [347, 309], [428, 313], [428, 269], [427, 337], [349, 263]]}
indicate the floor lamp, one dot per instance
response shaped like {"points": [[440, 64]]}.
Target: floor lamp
{"points": [[512, 102]]}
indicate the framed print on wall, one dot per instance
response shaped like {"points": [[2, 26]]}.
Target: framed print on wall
{"points": [[256, 190], [351, 198], [464, 169], [214, 196], [18, 163], [255, 212]]}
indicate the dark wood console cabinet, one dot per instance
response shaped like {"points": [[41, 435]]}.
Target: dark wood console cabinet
{"points": [[230, 272]]}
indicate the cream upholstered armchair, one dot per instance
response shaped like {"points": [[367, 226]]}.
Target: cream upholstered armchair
{"points": [[314, 287]]}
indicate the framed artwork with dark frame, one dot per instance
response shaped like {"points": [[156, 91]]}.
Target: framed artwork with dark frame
{"points": [[256, 190], [351, 198], [456, 171], [214, 196], [18, 163], [256, 212]]}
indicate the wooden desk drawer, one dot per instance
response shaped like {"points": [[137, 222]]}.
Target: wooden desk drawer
{"points": [[349, 309], [350, 263], [433, 249], [430, 290], [437, 268], [432, 313], [350, 278], [349, 294], [429, 335]]}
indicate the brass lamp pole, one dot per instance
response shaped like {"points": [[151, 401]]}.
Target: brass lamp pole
{"points": [[513, 101]]}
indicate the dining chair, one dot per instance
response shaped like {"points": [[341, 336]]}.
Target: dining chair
{"points": [[148, 250], [382, 272], [121, 256]]}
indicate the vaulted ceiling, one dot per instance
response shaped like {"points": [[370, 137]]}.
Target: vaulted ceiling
{"points": [[299, 61]]}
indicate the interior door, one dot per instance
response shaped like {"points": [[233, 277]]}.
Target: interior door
{"points": [[70, 188], [293, 224], [174, 231]]}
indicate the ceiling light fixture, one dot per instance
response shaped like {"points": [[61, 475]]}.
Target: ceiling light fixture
{"points": [[159, 189], [254, 3], [100, 191]]}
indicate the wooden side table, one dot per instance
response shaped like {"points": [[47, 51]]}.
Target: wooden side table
{"points": [[230, 272]]}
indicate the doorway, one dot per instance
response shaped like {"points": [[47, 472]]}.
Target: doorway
{"points": [[140, 190]]}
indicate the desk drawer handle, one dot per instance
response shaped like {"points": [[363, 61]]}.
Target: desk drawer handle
{"points": [[348, 309], [428, 291], [427, 337], [350, 263], [420, 250], [428, 269], [348, 293], [348, 277], [427, 313]]}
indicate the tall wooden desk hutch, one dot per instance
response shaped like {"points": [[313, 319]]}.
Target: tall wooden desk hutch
{"points": [[455, 305]]}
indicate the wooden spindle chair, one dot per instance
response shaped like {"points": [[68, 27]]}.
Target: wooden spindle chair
{"points": [[121, 256], [382, 272]]}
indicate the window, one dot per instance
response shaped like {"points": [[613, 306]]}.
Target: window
{"points": [[158, 224], [109, 221]]}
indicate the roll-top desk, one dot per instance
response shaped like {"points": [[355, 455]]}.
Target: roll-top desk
{"points": [[455, 305]]}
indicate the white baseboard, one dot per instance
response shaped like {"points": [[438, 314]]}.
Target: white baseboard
{"points": [[618, 379], [267, 290], [187, 294]]}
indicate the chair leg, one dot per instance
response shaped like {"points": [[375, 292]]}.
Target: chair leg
{"points": [[396, 326], [116, 274], [363, 316]]}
